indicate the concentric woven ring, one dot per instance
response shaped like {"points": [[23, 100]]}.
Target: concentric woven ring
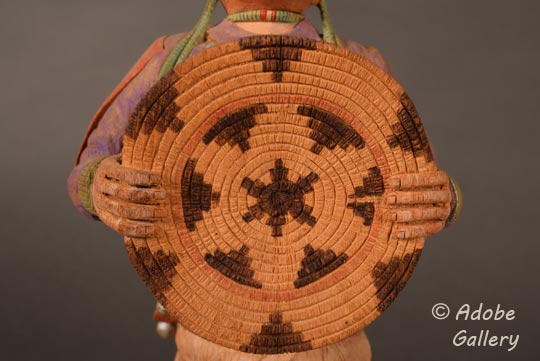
{"points": [[274, 152]]}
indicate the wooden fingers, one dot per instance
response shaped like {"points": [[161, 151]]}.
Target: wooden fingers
{"points": [[419, 203], [113, 169], [128, 200], [424, 229], [418, 180], [128, 210], [129, 193], [419, 197], [416, 214], [128, 227]]}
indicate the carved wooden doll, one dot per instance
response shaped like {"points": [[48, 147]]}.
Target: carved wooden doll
{"points": [[274, 185]]}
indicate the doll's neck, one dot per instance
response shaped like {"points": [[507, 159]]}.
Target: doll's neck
{"points": [[265, 27]]}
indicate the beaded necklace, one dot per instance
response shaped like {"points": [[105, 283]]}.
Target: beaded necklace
{"points": [[274, 16]]}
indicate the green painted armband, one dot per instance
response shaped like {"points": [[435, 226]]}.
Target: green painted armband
{"points": [[86, 178], [456, 202]]}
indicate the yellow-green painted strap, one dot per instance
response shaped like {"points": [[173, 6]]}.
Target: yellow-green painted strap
{"points": [[173, 57], [329, 34], [84, 186], [456, 203], [194, 38]]}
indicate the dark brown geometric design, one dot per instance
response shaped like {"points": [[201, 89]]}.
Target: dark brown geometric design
{"points": [[365, 210], [156, 270], [373, 185], [146, 112], [409, 133], [276, 337], [256, 42], [276, 55], [391, 278], [197, 196], [280, 198], [168, 119], [329, 130], [317, 264], [234, 265], [157, 111], [234, 128]]}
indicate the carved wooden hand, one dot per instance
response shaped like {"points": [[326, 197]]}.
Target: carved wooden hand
{"points": [[127, 200], [419, 204]]}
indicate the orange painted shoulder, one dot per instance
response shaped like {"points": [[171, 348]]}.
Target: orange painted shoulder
{"points": [[156, 47]]}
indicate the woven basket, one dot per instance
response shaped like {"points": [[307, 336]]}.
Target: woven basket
{"points": [[274, 153]]}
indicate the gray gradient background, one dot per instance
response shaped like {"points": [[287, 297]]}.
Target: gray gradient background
{"points": [[472, 68]]}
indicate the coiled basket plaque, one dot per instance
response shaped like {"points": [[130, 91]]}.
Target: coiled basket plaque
{"points": [[274, 152]]}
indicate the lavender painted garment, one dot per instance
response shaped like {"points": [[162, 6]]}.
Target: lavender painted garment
{"points": [[106, 138]]}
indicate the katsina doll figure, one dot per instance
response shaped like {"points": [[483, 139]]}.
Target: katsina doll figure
{"points": [[274, 185]]}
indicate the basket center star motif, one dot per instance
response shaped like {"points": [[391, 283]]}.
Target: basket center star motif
{"points": [[280, 199]]}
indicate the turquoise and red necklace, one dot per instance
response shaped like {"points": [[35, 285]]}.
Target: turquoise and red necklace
{"points": [[274, 16]]}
